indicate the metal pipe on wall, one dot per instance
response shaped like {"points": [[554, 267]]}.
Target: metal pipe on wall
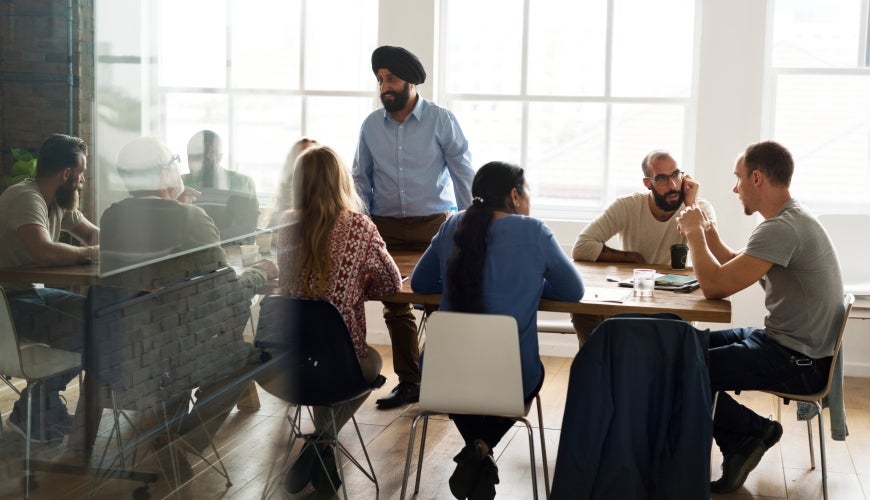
{"points": [[70, 69]]}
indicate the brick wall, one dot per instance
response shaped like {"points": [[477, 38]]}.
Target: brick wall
{"points": [[40, 91], [159, 346]]}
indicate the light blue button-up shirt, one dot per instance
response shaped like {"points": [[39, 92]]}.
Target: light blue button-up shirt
{"points": [[419, 167]]}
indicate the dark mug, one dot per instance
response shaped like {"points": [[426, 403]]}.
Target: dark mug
{"points": [[679, 252]]}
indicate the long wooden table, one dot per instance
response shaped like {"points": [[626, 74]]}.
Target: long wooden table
{"points": [[690, 306], [79, 275]]}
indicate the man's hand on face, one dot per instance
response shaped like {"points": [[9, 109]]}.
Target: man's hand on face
{"points": [[690, 191]]}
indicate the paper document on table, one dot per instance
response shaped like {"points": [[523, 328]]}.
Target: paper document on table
{"points": [[600, 294]]}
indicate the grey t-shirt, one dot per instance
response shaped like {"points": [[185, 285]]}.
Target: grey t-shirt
{"points": [[803, 289], [23, 204]]}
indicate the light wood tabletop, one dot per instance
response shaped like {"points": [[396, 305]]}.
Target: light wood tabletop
{"points": [[690, 306], [78, 275]]}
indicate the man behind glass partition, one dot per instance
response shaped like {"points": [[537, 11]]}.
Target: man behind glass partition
{"points": [[156, 240], [229, 197], [35, 212]]}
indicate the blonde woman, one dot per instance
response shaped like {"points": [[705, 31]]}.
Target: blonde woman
{"points": [[329, 250], [285, 182]]}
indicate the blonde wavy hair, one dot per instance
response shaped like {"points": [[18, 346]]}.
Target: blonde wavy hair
{"points": [[322, 190]]}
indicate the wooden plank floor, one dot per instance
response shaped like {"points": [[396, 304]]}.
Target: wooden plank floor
{"points": [[253, 445]]}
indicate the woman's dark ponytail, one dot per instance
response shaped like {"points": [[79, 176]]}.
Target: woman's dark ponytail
{"points": [[491, 190]]}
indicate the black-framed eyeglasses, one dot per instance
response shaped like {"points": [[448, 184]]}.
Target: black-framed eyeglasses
{"points": [[175, 159], [665, 179]]}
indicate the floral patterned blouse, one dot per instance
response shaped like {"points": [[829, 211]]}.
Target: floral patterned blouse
{"points": [[360, 269]]}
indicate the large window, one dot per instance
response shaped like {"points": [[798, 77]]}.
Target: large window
{"points": [[254, 71], [575, 91], [820, 99]]}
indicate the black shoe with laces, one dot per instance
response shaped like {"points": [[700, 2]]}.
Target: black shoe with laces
{"points": [[771, 432], [19, 424], [56, 414], [737, 465], [468, 463], [487, 478], [300, 473], [403, 394], [326, 481]]}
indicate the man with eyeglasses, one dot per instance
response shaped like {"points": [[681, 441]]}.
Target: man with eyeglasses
{"points": [[644, 221], [35, 212], [177, 241]]}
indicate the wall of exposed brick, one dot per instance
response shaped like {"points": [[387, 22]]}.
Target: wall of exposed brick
{"points": [[159, 346], [46, 82]]}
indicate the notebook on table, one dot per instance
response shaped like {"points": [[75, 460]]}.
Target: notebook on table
{"points": [[671, 282]]}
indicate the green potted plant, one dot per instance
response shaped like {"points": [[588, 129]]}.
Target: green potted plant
{"points": [[23, 168]]}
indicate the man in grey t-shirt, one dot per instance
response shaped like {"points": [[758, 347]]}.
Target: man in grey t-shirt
{"points": [[790, 255], [35, 212]]}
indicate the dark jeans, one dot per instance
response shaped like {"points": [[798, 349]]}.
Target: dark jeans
{"points": [[488, 428], [747, 359], [54, 317]]}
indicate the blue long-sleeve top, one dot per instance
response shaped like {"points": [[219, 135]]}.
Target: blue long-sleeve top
{"points": [[421, 166], [523, 263]]}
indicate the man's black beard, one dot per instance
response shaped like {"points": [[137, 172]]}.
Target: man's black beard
{"points": [[400, 99], [661, 200], [67, 196]]}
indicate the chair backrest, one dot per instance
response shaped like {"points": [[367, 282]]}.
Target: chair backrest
{"points": [[321, 364], [471, 365], [638, 419], [10, 356], [851, 240], [234, 213], [848, 302]]}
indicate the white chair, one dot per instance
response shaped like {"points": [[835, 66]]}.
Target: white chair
{"points": [[472, 366], [851, 239], [816, 399], [33, 362]]}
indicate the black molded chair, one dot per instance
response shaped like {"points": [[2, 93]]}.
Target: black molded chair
{"points": [[320, 366]]}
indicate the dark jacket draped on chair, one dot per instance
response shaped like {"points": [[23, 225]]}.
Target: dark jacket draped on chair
{"points": [[637, 420]]}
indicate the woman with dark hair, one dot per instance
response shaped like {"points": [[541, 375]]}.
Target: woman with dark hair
{"points": [[493, 258]]}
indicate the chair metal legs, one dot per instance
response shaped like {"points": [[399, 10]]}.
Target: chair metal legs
{"points": [[314, 440], [820, 416], [28, 428], [543, 447], [425, 417]]}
